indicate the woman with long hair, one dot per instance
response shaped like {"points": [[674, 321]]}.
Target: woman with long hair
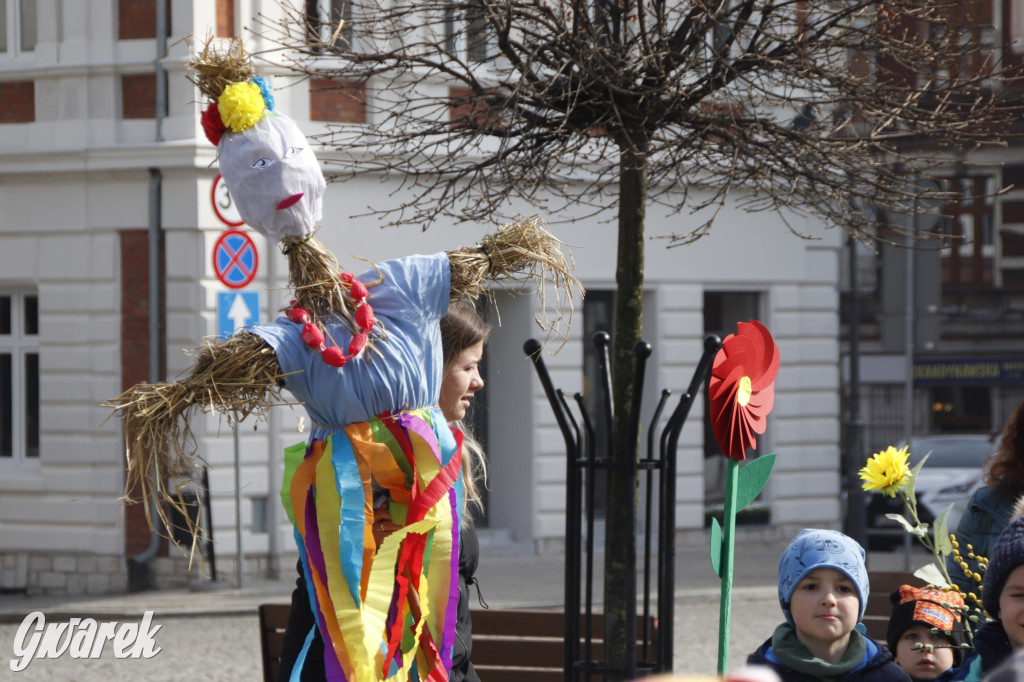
{"points": [[988, 511], [463, 335]]}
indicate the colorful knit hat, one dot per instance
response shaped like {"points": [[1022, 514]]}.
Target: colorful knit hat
{"points": [[814, 548], [1007, 555], [930, 607]]}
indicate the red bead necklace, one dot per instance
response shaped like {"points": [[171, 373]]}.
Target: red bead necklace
{"points": [[364, 319]]}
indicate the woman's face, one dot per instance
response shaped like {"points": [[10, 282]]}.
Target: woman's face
{"points": [[461, 380]]}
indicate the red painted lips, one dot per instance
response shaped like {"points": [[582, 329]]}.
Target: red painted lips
{"points": [[290, 201]]}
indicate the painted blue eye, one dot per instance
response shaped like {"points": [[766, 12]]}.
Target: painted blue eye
{"points": [[263, 163], [292, 151]]}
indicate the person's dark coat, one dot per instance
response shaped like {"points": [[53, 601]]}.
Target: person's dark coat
{"points": [[987, 513], [991, 648]]}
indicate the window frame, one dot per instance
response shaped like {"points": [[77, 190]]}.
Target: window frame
{"points": [[12, 14], [469, 37], [20, 344], [324, 26]]}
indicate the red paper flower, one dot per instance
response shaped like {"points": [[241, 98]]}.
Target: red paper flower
{"points": [[212, 123], [742, 387]]}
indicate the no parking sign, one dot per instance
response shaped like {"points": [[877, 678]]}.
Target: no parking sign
{"points": [[235, 259]]}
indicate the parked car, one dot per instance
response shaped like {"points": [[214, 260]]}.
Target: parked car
{"points": [[951, 474]]}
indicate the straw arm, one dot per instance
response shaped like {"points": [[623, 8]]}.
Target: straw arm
{"points": [[238, 377], [519, 254]]}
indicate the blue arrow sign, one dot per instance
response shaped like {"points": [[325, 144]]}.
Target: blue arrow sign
{"points": [[236, 309]]}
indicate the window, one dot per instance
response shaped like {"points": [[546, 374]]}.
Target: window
{"points": [[17, 27], [19, 376], [468, 36], [967, 260], [598, 316], [322, 17]]}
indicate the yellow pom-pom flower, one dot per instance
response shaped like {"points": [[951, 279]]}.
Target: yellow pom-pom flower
{"points": [[887, 471], [241, 105]]}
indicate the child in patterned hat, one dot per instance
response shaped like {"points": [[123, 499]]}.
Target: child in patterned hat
{"points": [[823, 590], [925, 631]]}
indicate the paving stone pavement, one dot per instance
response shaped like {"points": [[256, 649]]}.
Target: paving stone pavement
{"points": [[211, 634]]}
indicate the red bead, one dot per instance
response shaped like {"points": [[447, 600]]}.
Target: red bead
{"points": [[364, 317], [298, 315], [357, 292], [334, 357], [356, 346], [346, 277], [312, 336]]}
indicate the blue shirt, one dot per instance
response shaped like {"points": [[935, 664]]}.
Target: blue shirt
{"points": [[409, 303]]}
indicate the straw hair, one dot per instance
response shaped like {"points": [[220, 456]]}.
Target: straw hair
{"points": [[217, 66], [517, 254]]}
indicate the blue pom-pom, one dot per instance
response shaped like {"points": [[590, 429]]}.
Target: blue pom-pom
{"points": [[265, 89]]}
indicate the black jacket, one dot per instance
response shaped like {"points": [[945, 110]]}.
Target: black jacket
{"points": [[878, 667], [991, 647], [301, 620]]}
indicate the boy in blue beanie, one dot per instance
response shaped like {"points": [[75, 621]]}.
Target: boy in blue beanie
{"points": [[823, 590]]}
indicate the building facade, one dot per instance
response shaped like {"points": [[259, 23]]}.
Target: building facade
{"points": [[109, 215], [958, 352]]}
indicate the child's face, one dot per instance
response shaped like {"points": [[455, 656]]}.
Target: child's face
{"points": [[824, 607], [922, 664], [1011, 607]]}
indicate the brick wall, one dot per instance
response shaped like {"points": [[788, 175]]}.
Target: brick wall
{"points": [[18, 102], [135, 353], [137, 19], [337, 101], [465, 108], [225, 18], [138, 96]]}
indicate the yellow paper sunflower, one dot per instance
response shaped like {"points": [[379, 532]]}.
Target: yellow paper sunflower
{"points": [[887, 471], [241, 105]]}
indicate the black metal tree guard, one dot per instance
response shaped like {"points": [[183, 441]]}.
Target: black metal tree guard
{"points": [[582, 466]]}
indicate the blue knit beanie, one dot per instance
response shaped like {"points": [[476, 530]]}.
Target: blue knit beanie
{"points": [[813, 548], [1007, 555]]}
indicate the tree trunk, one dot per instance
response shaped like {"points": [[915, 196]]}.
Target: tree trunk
{"points": [[620, 545]]}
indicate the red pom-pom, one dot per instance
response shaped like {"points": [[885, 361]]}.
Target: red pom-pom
{"points": [[298, 315], [213, 124], [346, 277], [357, 292], [312, 336], [356, 346], [334, 357], [364, 317]]}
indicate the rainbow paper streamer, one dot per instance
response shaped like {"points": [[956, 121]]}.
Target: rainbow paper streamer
{"points": [[388, 612]]}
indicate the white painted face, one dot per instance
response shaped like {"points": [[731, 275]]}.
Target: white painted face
{"points": [[273, 177]]}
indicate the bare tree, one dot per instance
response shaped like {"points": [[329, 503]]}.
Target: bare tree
{"points": [[812, 106]]}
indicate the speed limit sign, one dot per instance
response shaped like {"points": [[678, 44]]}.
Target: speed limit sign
{"points": [[223, 206]]}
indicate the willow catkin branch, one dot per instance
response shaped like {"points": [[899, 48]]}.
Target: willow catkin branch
{"points": [[519, 253]]}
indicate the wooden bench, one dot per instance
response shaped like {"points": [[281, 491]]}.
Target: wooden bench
{"points": [[508, 644], [879, 608], [273, 620], [515, 645]]}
